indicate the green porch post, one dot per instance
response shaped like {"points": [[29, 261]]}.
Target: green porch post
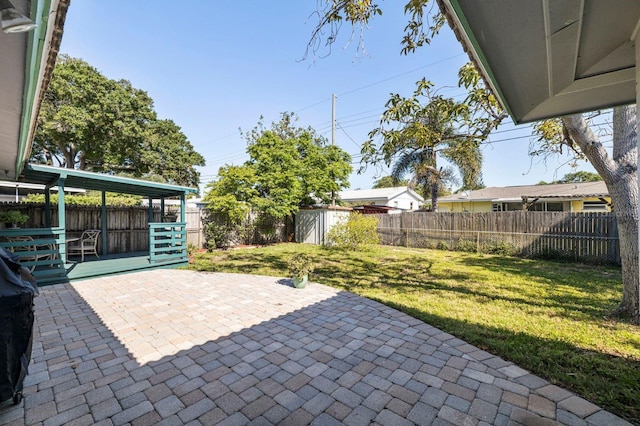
{"points": [[162, 212], [183, 204], [62, 221], [103, 223], [47, 207], [150, 209]]}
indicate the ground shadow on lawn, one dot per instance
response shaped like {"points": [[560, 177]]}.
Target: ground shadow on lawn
{"points": [[417, 274]]}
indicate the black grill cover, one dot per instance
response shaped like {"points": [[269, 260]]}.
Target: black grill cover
{"points": [[17, 290]]}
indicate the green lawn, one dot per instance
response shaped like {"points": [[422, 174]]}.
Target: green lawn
{"points": [[550, 318]]}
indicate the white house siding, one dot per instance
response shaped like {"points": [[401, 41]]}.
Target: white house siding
{"points": [[398, 197], [404, 201]]}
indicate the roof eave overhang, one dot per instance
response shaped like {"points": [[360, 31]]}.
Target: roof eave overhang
{"points": [[51, 176], [545, 59], [42, 51], [460, 27]]}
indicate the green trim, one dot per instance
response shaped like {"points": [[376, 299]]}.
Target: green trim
{"points": [[62, 220], [39, 173], [41, 254], [40, 10], [478, 53], [47, 208], [183, 206], [167, 242], [103, 222]]}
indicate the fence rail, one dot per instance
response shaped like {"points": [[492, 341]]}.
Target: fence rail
{"points": [[167, 242], [127, 227], [591, 237]]}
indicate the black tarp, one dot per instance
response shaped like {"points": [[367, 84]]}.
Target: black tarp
{"points": [[17, 290]]}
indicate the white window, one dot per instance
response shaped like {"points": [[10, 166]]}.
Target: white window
{"points": [[594, 206], [411, 205], [496, 207]]}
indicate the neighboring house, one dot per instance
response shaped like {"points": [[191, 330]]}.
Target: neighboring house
{"points": [[565, 197], [401, 198]]}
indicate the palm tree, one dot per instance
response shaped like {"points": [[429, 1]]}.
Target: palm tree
{"points": [[432, 135], [415, 135]]}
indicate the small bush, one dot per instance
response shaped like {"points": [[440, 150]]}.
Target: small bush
{"points": [[502, 248], [91, 198], [220, 236], [299, 265], [442, 245], [468, 246], [358, 233]]}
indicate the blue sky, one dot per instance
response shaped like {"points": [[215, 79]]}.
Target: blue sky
{"points": [[216, 66]]}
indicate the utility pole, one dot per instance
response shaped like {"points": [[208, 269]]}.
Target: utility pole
{"points": [[333, 137], [333, 119]]}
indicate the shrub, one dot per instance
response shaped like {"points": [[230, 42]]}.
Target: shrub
{"points": [[13, 216], [442, 245], [265, 229], [503, 248], [91, 198], [358, 233], [220, 236], [465, 245], [299, 265]]}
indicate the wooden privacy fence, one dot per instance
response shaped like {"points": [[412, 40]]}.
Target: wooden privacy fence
{"points": [[195, 227], [127, 227], [591, 237]]}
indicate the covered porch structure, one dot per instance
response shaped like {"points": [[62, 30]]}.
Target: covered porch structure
{"points": [[44, 250]]}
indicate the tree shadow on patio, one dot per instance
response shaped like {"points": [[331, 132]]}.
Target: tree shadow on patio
{"points": [[185, 345]]}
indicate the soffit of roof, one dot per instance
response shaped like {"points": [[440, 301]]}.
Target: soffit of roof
{"points": [[15, 51], [47, 175], [52, 41], [546, 58]]}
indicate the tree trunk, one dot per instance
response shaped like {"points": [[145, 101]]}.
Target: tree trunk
{"points": [[628, 236], [620, 174]]}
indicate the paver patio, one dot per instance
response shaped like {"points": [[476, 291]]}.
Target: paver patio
{"points": [[174, 347]]}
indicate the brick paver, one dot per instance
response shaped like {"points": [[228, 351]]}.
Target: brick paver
{"points": [[182, 347]]}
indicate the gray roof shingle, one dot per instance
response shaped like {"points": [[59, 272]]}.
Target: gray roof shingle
{"points": [[505, 193]]}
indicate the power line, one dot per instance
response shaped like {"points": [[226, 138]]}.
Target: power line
{"points": [[401, 74], [348, 136]]}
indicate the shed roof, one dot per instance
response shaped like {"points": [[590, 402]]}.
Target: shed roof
{"points": [[516, 193], [48, 175]]}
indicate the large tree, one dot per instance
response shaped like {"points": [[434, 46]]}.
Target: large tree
{"points": [[619, 170], [90, 122], [288, 167]]}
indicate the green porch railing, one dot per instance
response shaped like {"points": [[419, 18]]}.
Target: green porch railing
{"points": [[39, 250], [168, 242]]}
